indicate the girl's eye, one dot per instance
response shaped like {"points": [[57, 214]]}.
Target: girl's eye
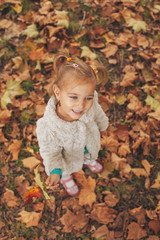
{"points": [[73, 97], [89, 98]]}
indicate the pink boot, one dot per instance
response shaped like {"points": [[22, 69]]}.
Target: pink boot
{"points": [[70, 186]]}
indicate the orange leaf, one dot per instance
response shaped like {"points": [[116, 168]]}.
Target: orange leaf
{"points": [[135, 231], [10, 198], [32, 192]]}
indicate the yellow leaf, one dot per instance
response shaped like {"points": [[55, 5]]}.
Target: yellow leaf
{"points": [[31, 31], [154, 104], [137, 25], [13, 89], [86, 52], [62, 18], [40, 183], [120, 99], [157, 7], [17, 7]]}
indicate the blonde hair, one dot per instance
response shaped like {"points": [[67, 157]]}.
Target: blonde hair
{"points": [[64, 64]]}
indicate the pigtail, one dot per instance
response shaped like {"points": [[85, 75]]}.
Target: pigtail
{"points": [[60, 59], [102, 75]]}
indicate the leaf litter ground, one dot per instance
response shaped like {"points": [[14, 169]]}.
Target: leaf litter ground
{"points": [[124, 36]]}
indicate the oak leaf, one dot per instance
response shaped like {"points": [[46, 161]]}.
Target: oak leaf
{"points": [[31, 31], [29, 218]]}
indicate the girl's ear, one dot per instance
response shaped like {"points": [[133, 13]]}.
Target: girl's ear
{"points": [[56, 91]]}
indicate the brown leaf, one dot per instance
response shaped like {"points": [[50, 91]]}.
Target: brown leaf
{"points": [[30, 162], [103, 233], [154, 225], [29, 218], [139, 214], [87, 194], [147, 166], [111, 199], [10, 198], [22, 185], [110, 50], [73, 222], [138, 234], [102, 214], [1, 224], [15, 148], [124, 149], [5, 116], [111, 143], [139, 172], [2, 137], [116, 160]]}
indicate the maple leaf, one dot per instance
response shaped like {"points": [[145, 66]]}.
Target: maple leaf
{"points": [[154, 104], [137, 25], [87, 194], [31, 31], [13, 88], [86, 52], [40, 183], [32, 192], [62, 18], [17, 7]]}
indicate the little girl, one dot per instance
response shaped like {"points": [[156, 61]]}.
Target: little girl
{"points": [[69, 132]]}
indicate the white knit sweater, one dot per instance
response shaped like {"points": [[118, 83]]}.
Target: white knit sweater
{"points": [[62, 143]]}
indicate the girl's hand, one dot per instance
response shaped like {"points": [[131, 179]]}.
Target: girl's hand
{"points": [[53, 179]]}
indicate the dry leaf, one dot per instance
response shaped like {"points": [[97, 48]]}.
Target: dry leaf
{"points": [[73, 222], [30, 162], [10, 198], [102, 214], [138, 234], [15, 148], [29, 218], [103, 233]]}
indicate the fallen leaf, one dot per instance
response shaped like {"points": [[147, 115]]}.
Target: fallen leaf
{"points": [[73, 222], [10, 198], [102, 214], [110, 50], [147, 166], [154, 225], [139, 172], [15, 148], [86, 52], [30, 162], [111, 199], [87, 194], [103, 233], [138, 234], [139, 214], [137, 25], [29, 218], [31, 31]]}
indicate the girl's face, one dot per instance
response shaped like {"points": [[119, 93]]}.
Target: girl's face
{"points": [[75, 100]]}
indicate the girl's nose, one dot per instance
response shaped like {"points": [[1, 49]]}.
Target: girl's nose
{"points": [[81, 104]]}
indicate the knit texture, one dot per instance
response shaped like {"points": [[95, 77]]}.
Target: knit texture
{"points": [[62, 143]]}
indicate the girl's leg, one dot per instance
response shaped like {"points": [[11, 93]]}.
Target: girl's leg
{"points": [[93, 165], [69, 184]]}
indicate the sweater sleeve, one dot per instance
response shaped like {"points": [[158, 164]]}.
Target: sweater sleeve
{"points": [[49, 149], [100, 117]]}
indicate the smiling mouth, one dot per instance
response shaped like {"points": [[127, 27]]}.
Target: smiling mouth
{"points": [[77, 112]]}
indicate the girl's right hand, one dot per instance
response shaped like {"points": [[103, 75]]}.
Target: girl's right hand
{"points": [[53, 179]]}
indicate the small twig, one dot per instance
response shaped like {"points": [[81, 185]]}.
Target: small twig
{"points": [[84, 16]]}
